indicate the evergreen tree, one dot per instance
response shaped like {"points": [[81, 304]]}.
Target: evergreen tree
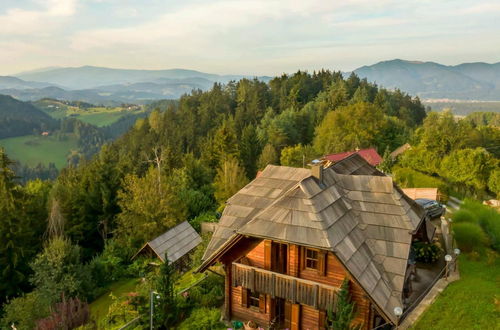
{"points": [[166, 304], [249, 150], [342, 317]]}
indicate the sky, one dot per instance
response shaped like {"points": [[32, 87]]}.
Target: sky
{"points": [[259, 37]]}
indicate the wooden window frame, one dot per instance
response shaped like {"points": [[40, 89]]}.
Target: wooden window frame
{"points": [[253, 300], [316, 260]]}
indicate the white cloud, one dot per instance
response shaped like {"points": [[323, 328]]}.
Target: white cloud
{"points": [[19, 21]]}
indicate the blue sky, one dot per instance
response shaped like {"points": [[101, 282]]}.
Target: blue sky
{"points": [[244, 36]]}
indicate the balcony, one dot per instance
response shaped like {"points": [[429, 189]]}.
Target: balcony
{"points": [[293, 289]]}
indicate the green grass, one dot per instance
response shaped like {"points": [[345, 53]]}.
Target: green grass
{"points": [[33, 149], [473, 302], [98, 116], [187, 279], [99, 307]]}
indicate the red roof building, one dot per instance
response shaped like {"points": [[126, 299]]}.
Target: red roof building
{"points": [[370, 155]]}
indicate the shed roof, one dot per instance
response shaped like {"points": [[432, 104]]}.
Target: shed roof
{"points": [[176, 242], [364, 219], [415, 193], [370, 155]]}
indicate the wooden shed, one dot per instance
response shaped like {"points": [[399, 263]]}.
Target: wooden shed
{"points": [[176, 243]]}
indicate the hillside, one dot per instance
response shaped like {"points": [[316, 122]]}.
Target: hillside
{"points": [[468, 81], [88, 77], [20, 118]]}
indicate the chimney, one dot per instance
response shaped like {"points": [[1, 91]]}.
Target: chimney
{"points": [[317, 171]]}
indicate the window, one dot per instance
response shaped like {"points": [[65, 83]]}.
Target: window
{"points": [[253, 299], [312, 259]]}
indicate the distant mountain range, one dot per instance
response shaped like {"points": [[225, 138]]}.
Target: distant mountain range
{"points": [[428, 80], [106, 86]]}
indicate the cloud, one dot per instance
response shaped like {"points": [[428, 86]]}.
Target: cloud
{"points": [[17, 21]]}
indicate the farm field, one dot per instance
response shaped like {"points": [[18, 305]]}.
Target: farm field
{"points": [[473, 302], [98, 116], [33, 149]]}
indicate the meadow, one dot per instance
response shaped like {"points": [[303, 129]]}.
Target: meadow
{"points": [[94, 115], [33, 149]]}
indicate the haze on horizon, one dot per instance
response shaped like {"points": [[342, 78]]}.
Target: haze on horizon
{"points": [[261, 37]]}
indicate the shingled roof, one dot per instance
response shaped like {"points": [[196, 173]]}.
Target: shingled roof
{"points": [[176, 242], [370, 155], [365, 220]]}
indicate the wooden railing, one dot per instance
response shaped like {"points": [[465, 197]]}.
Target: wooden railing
{"points": [[296, 290]]}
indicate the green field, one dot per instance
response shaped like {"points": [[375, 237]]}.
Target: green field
{"points": [[33, 149], [98, 116], [473, 302]]}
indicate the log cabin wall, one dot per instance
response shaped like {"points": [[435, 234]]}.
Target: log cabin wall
{"points": [[333, 274], [241, 312]]}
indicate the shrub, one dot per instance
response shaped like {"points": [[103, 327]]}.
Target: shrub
{"points": [[209, 293], [488, 218], [203, 319], [469, 236], [24, 311], [204, 217], [464, 215], [426, 252]]}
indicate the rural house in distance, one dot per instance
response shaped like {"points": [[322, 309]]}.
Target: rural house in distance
{"points": [[290, 237]]}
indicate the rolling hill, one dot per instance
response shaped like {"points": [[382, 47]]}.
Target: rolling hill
{"points": [[429, 80], [20, 118]]}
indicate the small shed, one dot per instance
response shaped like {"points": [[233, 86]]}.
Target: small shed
{"points": [[177, 243]]}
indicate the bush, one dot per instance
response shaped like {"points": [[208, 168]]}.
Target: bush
{"points": [[408, 178], [25, 311], [426, 252], [469, 236], [209, 293], [203, 319], [488, 218], [464, 215], [204, 217]]}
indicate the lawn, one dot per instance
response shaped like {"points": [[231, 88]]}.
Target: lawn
{"points": [[99, 307], [33, 149], [473, 302]]}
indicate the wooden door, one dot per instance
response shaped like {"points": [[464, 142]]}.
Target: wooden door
{"points": [[295, 317]]}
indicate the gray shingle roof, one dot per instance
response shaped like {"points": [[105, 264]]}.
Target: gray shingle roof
{"points": [[176, 242], [364, 219]]}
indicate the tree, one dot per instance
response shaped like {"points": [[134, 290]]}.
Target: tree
{"points": [[387, 162], [269, 156], [494, 182], [342, 317], [470, 167], [58, 271], [149, 207], [249, 150], [297, 156], [15, 233], [229, 180], [166, 314], [350, 127]]}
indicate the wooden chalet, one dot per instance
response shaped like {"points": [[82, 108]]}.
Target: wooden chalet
{"points": [[289, 238], [176, 243]]}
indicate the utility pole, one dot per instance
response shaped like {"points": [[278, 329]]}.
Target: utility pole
{"points": [[152, 307]]}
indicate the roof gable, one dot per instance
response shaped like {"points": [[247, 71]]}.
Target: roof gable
{"points": [[370, 155]]}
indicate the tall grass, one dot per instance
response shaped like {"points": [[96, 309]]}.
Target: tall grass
{"points": [[486, 217]]}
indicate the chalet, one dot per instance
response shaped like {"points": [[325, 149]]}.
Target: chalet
{"points": [[177, 243], [289, 238], [370, 155]]}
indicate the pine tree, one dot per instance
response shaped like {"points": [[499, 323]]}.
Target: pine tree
{"points": [[342, 318], [249, 150], [166, 304]]}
